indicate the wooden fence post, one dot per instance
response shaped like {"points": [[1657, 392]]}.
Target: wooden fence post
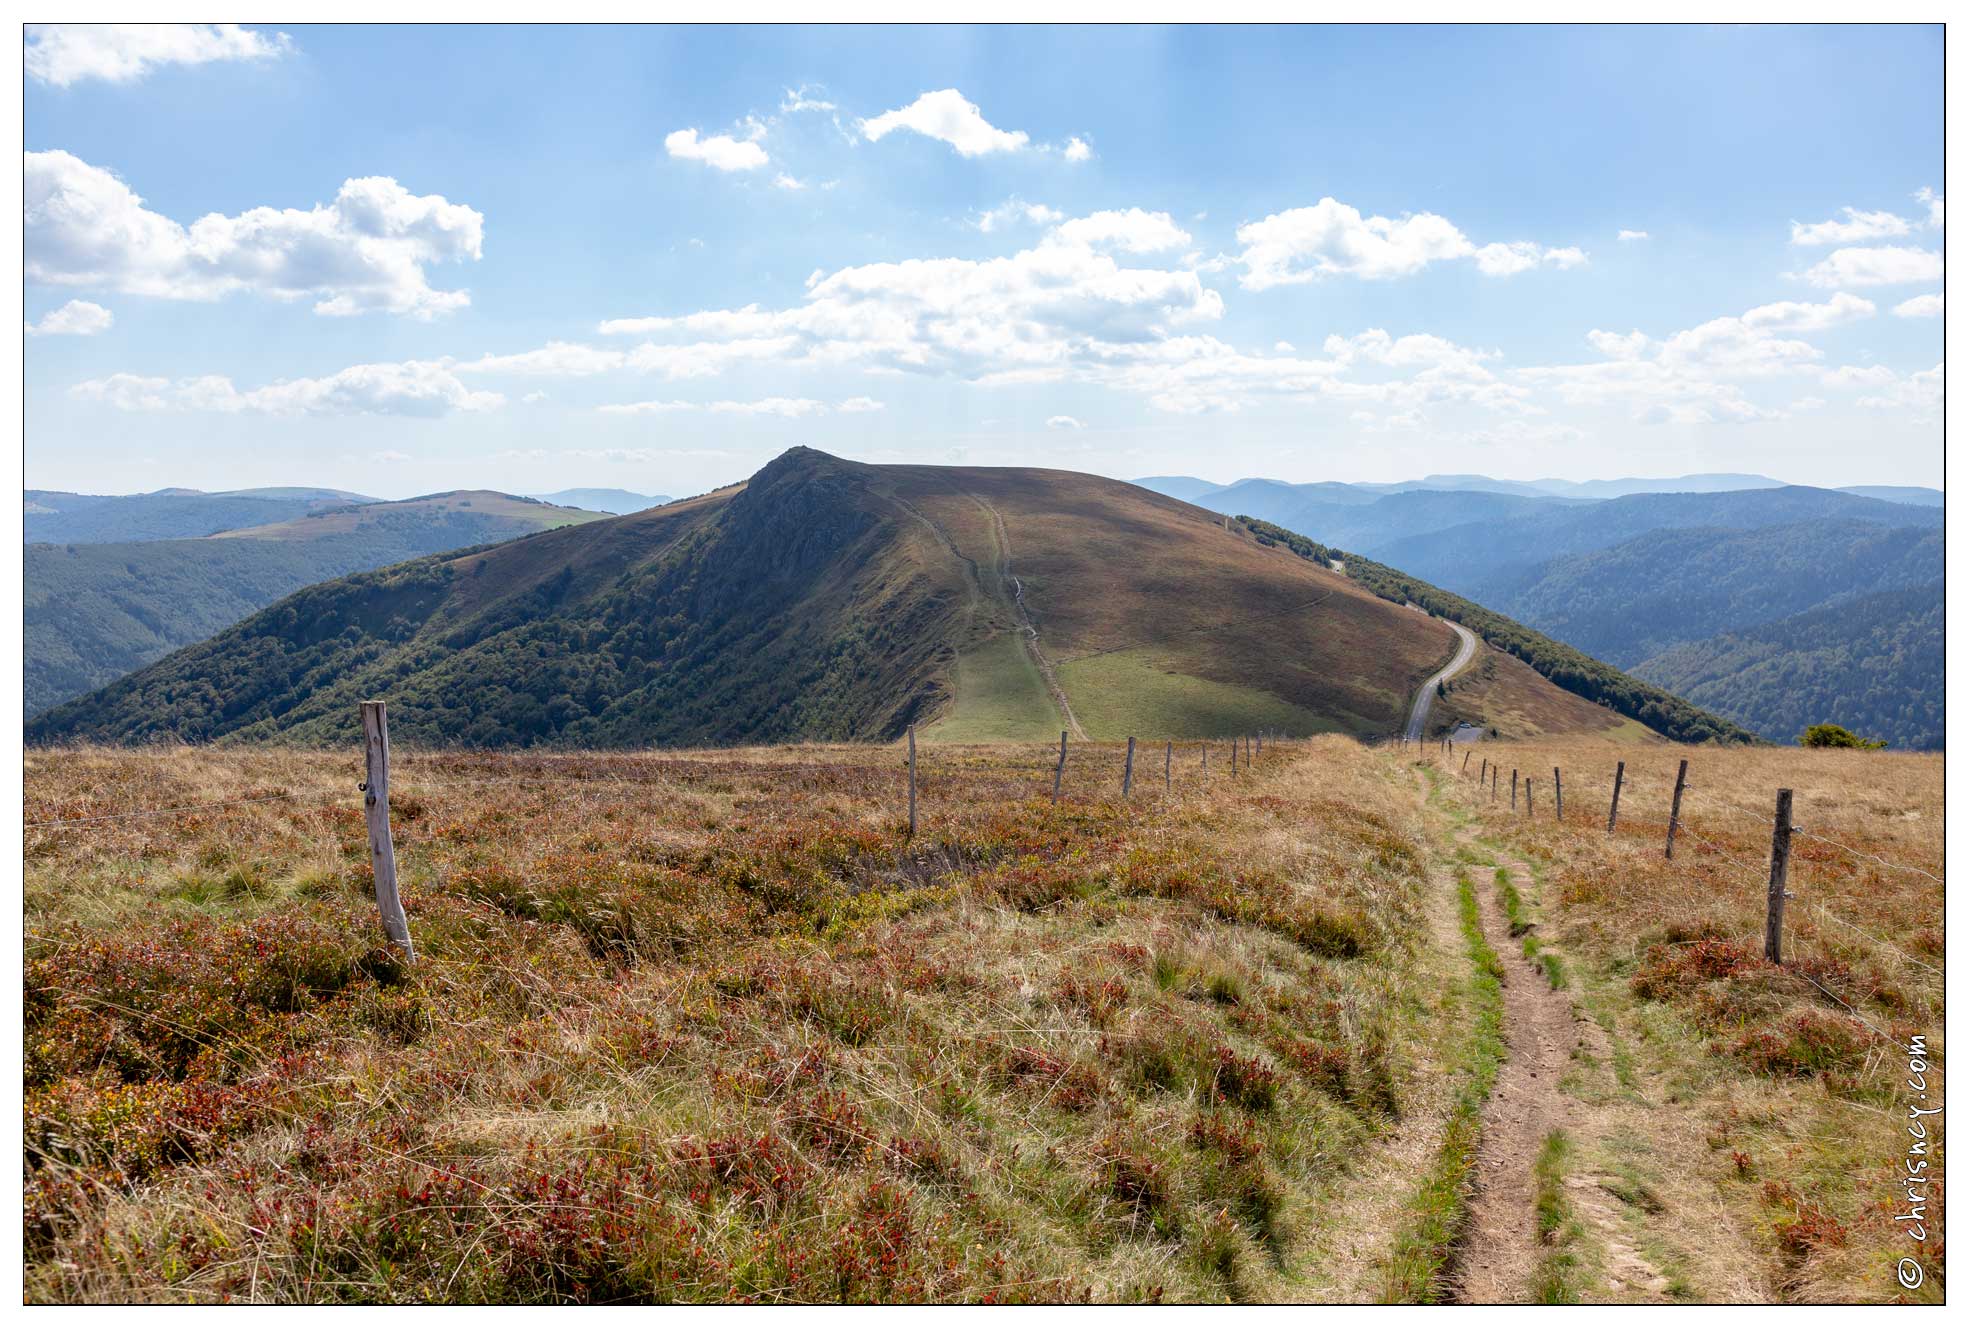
{"points": [[1675, 811], [1128, 770], [1206, 758], [1483, 772], [1527, 798], [1613, 809], [1780, 864], [912, 781], [1514, 789], [1234, 756], [1558, 797], [1168, 765], [1060, 768], [376, 810], [1464, 769]]}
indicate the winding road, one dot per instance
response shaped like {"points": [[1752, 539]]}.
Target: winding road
{"points": [[1425, 696]]}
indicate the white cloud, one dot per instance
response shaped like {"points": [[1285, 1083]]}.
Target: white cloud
{"points": [[390, 457], [1920, 394], [67, 53], [720, 151], [77, 318], [1620, 346], [1858, 376], [787, 407], [1132, 232], [1883, 265], [860, 406], [1795, 316], [785, 181], [1934, 202], [1013, 210], [801, 99], [1063, 422], [1850, 227], [948, 117], [557, 359], [1631, 235], [414, 388], [1332, 239], [367, 250], [1283, 347], [534, 398], [1506, 260], [1920, 306], [1077, 150]]}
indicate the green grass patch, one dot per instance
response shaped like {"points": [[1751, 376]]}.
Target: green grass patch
{"points": [[1128, 692], [1557, 1280], [1421, 1253], [1000, 697]]}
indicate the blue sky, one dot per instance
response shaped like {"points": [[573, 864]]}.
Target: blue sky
{"points": [[406, 259]]}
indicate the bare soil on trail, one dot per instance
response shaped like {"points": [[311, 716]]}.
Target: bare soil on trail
{"points": [[1501, 1248]]}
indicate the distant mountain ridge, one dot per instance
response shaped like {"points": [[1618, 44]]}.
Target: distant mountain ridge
{"points": [[58, 517], [829, 599], [615, 502], [94, 612]]}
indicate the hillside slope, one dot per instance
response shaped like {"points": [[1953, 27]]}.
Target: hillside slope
{"points": [[1873, 663], [829, 599], [94, 612]]}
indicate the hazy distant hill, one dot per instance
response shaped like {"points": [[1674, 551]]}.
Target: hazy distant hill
{"points": [[616, 502], [829, 599], [56, 517], [94, 612]]}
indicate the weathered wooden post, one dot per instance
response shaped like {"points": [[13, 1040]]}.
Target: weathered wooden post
{"points": [[1613, 809], [1206, 759], [1464, 769], [912, 781], [1527, 798], [1493, 782], [1483, 771], [1675, 810], [1060, 768], [376, 810], [1558, 797], [1780, 864], [1128, 770], [1234, 756], [1514, 789], [1168, 765]]}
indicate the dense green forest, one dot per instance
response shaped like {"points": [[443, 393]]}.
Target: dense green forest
{"points": [[1568, 668], [1640, 598], [1872, 664]]}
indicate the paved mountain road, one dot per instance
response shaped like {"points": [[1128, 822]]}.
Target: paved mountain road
{"points": [[1425, 696]]}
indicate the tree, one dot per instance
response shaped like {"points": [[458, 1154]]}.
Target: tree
{"points": [[1836, 736]]}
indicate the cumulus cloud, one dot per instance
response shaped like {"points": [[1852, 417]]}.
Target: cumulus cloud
{"points": [[1017, 210], [1331, 239], [1077, 150], [367, 250], [1063, 422], [1919, 394], [806, 97], [1920, 306], [1934, 203], [785, 181], [1631, 235], [948, 117], [787, 407], [1798, 316], [1881, 265], [719, 151], [66, 53], [77, 318], [860, 406], [413, 388], [1132, 232], [1850, 227]]}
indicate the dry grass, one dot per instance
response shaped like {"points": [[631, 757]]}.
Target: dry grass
{"points": [[708, 1025], [1792, 1070]]}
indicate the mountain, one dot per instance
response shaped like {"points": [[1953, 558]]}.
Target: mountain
{"points": [[1915, 494], [829, 599], [56, 517], [94, 612], [614, 502], [1711, 482], [1872, 663], [1658, 590], [1186, 487], [1489, 559]]}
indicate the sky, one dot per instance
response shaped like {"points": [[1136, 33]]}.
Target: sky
{"points": [[408, 259]]}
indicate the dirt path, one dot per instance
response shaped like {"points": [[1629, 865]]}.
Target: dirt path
{"points": [[1002, 566], [1501, 1248]]}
